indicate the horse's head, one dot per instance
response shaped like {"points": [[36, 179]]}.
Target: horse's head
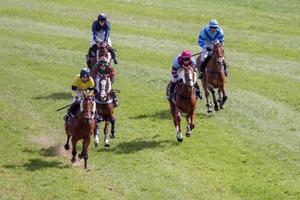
{"points": [[104, 87], [218, 53], [188, 76], [88, 107]]}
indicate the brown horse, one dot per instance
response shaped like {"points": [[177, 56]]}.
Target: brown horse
{"points": [[215, 78], [184, 101], [102, 50], [105, 108], [81, 127]]}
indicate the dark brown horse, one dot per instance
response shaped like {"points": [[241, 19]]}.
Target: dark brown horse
{"points": [[184, 101], [102, 50], [215, 78], [105, 107], [81, 127]]}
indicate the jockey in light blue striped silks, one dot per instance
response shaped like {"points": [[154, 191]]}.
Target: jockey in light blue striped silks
{"points": [[212, 33], [101, 32], [185, 59]]}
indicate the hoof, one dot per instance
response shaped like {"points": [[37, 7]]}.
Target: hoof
{"points": [[112, 136], [216, 108], [67, 147], [73, 160], [188, 134], [221, 106], [80, 156], [179, 139], [96, 145], [209, 111], [106, 145]]}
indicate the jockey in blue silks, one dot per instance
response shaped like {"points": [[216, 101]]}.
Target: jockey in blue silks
{"points": [[101, 32], [185, 59], [210, 34]]}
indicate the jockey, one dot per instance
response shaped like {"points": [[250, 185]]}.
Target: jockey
{"points": [[101, 32], [210, 34], [185, 59], [81, 82], [103, 67]]}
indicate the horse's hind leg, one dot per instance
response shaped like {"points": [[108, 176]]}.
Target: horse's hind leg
{"points": [[112, 132], [67, 146], [106, 141], [74, 152], [208, 105]]}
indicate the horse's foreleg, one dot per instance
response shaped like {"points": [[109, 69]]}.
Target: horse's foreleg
{"points": [[112, 132], [177, 125], [74, 152], [106, 141], [96, 134], [188, 126], [67, 146], [216, 106], [86, 143]]}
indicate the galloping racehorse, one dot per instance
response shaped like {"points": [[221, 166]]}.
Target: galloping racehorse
{"points": [[105, 106], [215, 78], [81, 127], [184, 101], [102, 50]]}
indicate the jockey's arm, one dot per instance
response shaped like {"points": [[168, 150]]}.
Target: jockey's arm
{"points": [[201, 39]]}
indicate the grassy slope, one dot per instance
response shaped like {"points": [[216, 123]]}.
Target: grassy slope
{"points": [[249, 151]]}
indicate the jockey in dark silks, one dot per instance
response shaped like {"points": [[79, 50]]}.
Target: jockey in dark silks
{"points": [[101, 32]]}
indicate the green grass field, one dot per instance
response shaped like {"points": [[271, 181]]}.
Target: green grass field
{"points": [[251, 150]]}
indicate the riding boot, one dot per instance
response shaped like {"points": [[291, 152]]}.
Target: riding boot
{"points": [[203, 66], [91, 53], [171, 90], [113, 55], [115, 98], [225, 68], [198, 92]]}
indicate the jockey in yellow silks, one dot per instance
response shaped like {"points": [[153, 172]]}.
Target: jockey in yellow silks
{"points": [[81, 83]]}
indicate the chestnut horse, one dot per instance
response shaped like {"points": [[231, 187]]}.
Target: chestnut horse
{"points": [[102, 50], [81, 127], [184, 101], [105, 107], [215, 78]]}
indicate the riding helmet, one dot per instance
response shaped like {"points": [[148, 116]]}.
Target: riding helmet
{"points": [[85, 72], [102, 16], [213, 23]]}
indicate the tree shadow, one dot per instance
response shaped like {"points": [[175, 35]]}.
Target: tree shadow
{"points": [[38, 164], [55, 96], [139, 145], [164, 114]]}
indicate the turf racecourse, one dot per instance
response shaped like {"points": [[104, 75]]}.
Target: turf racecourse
{"points": [[251, 150]]}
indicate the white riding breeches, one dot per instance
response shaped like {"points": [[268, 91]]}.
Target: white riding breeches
{"points": [[99, 37]]}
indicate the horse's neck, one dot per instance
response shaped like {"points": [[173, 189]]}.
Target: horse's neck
{"points": [[213, 65], [184, 90]]}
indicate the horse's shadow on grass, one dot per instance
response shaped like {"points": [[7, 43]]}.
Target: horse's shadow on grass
{"points": [[139, 145], [55, 96], [35, 164], [163, 114]]}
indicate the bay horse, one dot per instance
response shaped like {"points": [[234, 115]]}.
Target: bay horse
{"points": [[81, 127], [105, 107], [215, 78], [184, 101], [102, 50]]}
